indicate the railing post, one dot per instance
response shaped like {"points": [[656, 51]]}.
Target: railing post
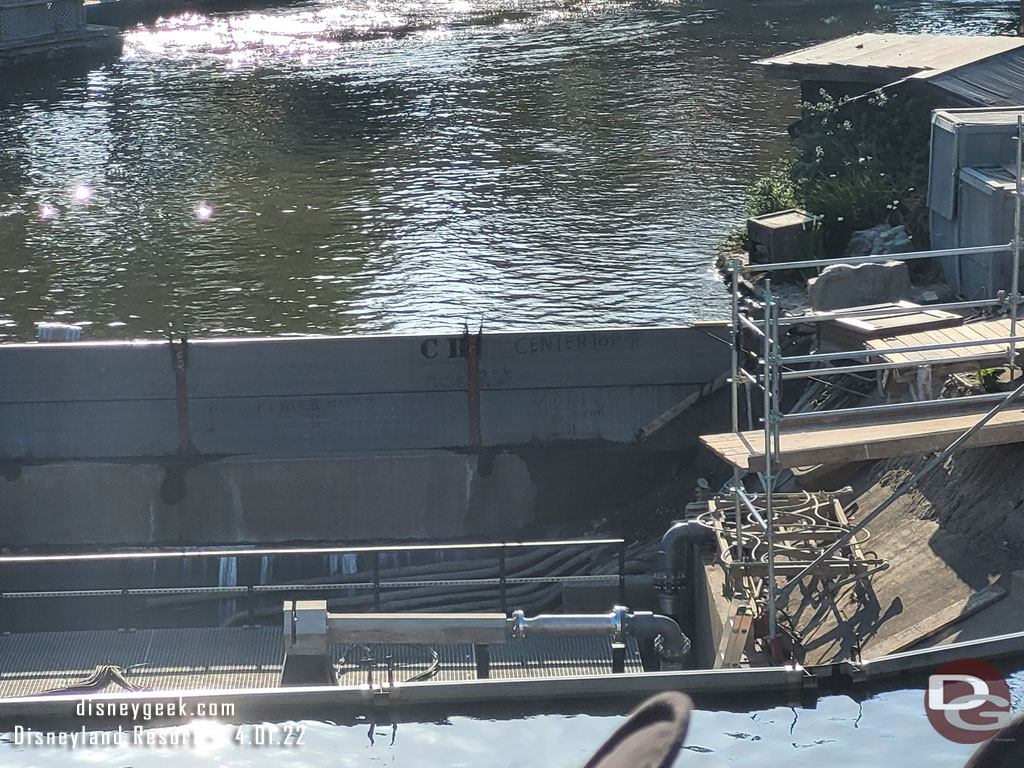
{"points": [[622, 572], [770, 437], [736, 337], [1015, 277], [503, 577], [376, 581]]}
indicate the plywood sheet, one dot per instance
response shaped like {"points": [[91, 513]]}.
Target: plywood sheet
{"points": [[901, 432]]}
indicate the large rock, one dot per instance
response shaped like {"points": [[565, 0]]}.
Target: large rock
{"points": [[878, 241], [847, 285]]}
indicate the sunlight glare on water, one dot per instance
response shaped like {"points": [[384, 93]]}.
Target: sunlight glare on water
{"points": [[517, 164]]}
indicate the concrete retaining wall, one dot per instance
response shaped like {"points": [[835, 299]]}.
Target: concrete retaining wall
{"points": [[333, 438]]}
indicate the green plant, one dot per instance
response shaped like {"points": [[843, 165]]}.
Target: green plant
{"points": [[988, 378], [736, 240], [772, 192], [862, 162]]}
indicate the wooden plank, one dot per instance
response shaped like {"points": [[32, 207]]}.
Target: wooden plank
{"points": [[940, 336], [735, 635], [667, 417], [968, 334], [956, 334], [844, 522], [861, 440], [936, 622]]}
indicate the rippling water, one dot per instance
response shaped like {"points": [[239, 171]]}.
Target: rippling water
{"points": [[371, 166], [888, 729]]}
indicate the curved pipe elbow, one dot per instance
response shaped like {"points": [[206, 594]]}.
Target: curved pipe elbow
{"points": [[669, 640], [672, 561], [688, 531]]}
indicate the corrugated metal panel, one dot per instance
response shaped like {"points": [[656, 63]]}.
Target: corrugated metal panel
{"points": [[997, 81], [899, 53]]}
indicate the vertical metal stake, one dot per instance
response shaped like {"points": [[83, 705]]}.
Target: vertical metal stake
{"points": [[1015, 277], [750, 408], [734, 332], [767, 479], [622, 573], [503, 578], [376, 581]]}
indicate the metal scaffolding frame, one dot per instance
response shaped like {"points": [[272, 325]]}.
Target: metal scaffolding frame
{"points": [[770, 376]]}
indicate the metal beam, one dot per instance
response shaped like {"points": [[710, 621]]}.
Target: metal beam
{"points": [[970, 251]]}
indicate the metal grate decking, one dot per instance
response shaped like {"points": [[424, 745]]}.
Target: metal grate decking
{"points": [[250, 657]]}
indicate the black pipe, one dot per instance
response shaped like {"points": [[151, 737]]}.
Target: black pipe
{"points": [[670, 642], [670, 580]]}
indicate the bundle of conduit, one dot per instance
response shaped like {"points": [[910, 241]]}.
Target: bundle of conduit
{"points": [[442, 595]]}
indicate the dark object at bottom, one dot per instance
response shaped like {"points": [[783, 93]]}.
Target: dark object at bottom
{"points": [[650, 738], [1004, 750], [308, 670]]}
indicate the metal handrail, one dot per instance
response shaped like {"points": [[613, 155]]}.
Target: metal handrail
{"points": [[378, 585], [811, 373], [866, 409], [239, 591], [975, 250], [897, 350], [854, 313], [144, 554]]}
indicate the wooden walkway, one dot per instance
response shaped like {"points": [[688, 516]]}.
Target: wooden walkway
{"points": [[961, 358], [837, 438]]}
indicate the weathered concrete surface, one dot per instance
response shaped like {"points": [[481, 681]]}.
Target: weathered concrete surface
{"points": [[236, 501], [845, 285], [435, 495], [361, 438], [315, 396]]}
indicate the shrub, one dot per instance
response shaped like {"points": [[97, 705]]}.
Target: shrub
{"points": [[856, 164], [859, 163], [772, 192]]}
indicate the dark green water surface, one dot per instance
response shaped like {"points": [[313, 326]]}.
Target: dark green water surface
{"points": [[404, 165]]}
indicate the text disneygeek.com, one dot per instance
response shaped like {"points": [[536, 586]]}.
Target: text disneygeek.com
{"points": [[153, 733]]}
